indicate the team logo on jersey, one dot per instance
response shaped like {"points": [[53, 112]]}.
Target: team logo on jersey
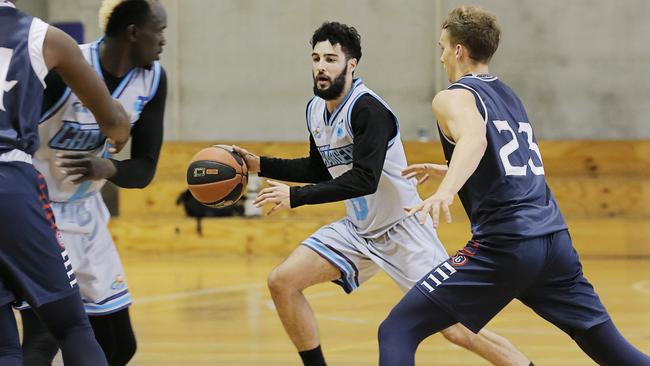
{"points": [[119, 283], [59, 239], [458, 260], [73, 137], [339, 129], [317, 132], [139, 104], [336, 156]]}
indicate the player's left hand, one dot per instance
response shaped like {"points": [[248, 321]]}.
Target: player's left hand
{"points": [[424, 171], [439, 200], [87, 166], [278, 193]]}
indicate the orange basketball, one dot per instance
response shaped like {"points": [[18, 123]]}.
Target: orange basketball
{"points": [[217, 176]]}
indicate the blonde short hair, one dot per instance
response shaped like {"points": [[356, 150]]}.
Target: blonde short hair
{"points": [[105, 12]]}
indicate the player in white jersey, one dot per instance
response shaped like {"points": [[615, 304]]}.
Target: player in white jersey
{"points": [[75, 161], [356, 156], [34, 265]]}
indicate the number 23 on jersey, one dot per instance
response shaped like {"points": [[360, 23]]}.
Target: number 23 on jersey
{"points": [[513, 146]]}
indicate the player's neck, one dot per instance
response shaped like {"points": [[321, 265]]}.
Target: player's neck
{"points": [[473, 69], [334, 103], [114, 58]]}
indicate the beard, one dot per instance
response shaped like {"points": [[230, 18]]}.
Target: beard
{"points": [[335, 89]]}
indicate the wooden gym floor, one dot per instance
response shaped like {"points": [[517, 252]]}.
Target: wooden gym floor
{"points": [[217, 311], [203, 300]]}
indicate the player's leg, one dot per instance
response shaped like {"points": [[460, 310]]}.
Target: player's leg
{"points": [[564, 297], [413, 250], [99, 270], [492, 347], [114, 333], [38, 265], [329, 254], [39, 347], [470, 288], [411, 321], [67, 321], [605, 345], [10, 354], [303, 268]]}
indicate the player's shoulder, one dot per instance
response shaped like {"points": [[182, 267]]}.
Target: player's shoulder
{"points": [[450, 98]]}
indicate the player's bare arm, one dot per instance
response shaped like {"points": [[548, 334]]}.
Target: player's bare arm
{"points": [[62, 53], [461, 121]]}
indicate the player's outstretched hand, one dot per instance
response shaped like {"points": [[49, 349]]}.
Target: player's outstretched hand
{"points": [[424, 171], [252, 160], [87, 166], [278, 193], [433, 205]]}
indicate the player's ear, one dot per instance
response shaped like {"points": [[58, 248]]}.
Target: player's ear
{"points": [[132, 32], [459, 51], [352, 64]]}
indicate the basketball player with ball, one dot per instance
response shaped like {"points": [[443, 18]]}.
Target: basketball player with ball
{"points": [[356, 156]]}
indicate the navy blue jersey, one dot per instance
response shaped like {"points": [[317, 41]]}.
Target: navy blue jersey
{"points": [[507, 196], [22, 70]]}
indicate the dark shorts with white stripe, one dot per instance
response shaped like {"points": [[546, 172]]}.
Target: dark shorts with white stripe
{"points": [[33, 264], [544, 273]]}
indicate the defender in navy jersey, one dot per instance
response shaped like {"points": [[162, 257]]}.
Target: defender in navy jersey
{"points": [[34, 265], [356, 156], [520, 245], [74, 161]]}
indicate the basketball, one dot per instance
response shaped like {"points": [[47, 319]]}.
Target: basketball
{"points": [[217, 176]]}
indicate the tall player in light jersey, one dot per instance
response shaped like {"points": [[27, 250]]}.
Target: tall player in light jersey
{"points": [[520, 245], [73, 158], [356, 156], [33, 262]]}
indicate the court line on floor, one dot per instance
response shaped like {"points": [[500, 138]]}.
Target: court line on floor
{"points": [[233, 288], [195, 293], [642, 286]]}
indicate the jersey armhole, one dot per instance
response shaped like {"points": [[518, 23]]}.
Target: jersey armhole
{"points": [[37, 32]]}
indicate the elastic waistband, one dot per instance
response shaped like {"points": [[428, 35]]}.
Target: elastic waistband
{"points": [[16, 155]]}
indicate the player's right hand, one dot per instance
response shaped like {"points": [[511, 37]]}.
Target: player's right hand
{"points": [[252, 160], [424, 171]]}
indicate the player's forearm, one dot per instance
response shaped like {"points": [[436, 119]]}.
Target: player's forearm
{"points": [[301, 170], [354, 183], [133, 173], [467, 155]]}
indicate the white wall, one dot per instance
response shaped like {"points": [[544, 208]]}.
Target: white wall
{"points": [[240, 69]]}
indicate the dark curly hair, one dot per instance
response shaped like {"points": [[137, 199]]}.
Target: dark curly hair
{"points": [[126, 13], [338, 33]]}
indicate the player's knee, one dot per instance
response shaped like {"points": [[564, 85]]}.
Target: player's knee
{"points": [[460, 336], [281, 280], [391, 332]]}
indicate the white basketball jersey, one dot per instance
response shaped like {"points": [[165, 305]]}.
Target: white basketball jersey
{"points": [[375, 213], [68, 126]]}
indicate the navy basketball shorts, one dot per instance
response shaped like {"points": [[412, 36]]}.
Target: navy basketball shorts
{"points": [[543, 272], [33, 263]]}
